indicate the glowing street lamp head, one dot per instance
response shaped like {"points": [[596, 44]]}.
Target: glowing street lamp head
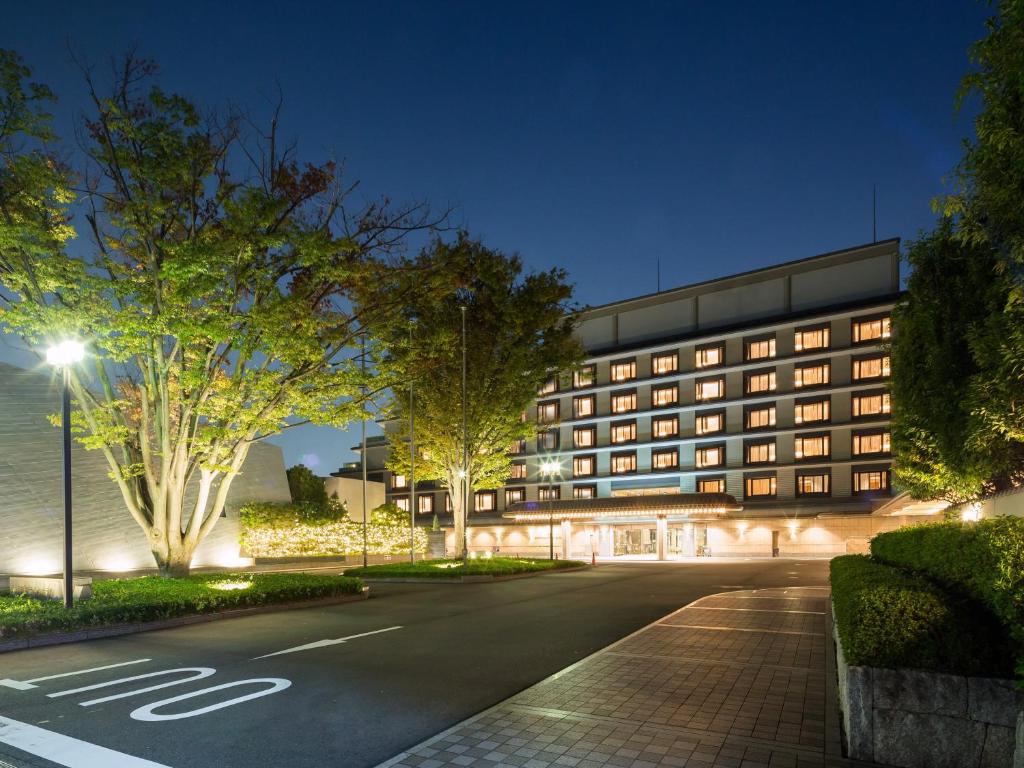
{"points": [[462, 474], [550, 467], [65, 353]]}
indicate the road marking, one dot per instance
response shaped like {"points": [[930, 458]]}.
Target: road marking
{"points": [[65, 750], [146, 713], [200, 673], [24, 685], [323, 643]]}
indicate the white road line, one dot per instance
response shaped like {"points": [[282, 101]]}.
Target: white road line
{"points": [[323, 643], [64, 750], [24, 685], [199, 674]]}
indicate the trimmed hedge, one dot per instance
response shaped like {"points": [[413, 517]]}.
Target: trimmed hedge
{"points": [[982, 560], [889, 618], [454, 569], [151, 598]]}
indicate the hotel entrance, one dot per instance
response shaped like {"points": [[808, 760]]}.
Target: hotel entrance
{"points": [[635, 540]]}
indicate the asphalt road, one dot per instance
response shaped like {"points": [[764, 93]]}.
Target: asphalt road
{"points": [[449, 651]]}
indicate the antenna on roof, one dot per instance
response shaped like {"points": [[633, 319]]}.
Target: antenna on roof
{"points": [[659, 275], [874, 213]]}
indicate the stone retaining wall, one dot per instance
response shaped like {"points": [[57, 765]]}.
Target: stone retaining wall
{"points": [[915, 719]]}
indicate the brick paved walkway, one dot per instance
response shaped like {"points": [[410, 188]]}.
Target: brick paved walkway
{"points": [[734, 680]]}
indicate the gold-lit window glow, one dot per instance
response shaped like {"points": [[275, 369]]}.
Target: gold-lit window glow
{"points": [[585, 376], [665, 459], [812, 485], [811, 447], [519, 446], [402, 503], [583, 406], [871, 368], [518, 471], [662, 397], [710, 423], [549, 494], [664, 363], [547, 413], [623, 371], [399, 481], [713, 456], [869, 330], [548, 440], [760, 453], [759, 418], [549, 386], [711, 485], [514, 496], [870, 480], [710, 389], [583, 466], [662, 428], [705, 357], [425, 503], [485, 501], [760, 382], [761, 349], [623, 462], [624, 403], [871, 405], [875, 442], [584, 492], [812, 375], [584, 437], [806, 413], [623, 433], [760, 486], [812, 338]]}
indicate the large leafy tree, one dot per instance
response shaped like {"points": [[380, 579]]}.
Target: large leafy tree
{"points": [[519, 329], [211, 280]]}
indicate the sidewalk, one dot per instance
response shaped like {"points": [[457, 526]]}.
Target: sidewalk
{"points": [[733, 680]]}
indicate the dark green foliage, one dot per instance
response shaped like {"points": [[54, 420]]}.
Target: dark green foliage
{"points": [[389, 514], [453, 569], [122, 601], [263, 514], [306, 487], [889, 618]]}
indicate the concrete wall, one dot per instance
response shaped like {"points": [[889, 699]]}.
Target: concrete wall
{"points": [[350, 493], [105, 535]]}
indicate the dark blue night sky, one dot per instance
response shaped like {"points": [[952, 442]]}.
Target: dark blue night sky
{"points": [[716, 137]]}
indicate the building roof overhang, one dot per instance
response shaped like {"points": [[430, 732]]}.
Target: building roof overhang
{"points": [[690, 505]]}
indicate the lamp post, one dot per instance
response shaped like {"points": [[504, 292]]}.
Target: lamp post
{"points": [[62, 356], [465, 447], [549, 468], [412, 465], [362, 409]]}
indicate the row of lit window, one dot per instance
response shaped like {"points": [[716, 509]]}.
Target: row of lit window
{"points": [[711, 355], [711, 389]]}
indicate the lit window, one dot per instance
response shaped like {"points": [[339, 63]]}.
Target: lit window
{"points": [[763, 381], [514, 496], [711, 485], [806, 413], [549, 386], [583, 406], [759, 486], [519, 446], [624, 370], [547, 413], [664, 396], [402, 503], [623, 432], [518, 471], [870, 330], [554, 493], [871, 368], [712, 456], [761, 417], [664, 459], [583, 466], [709, 423], [710, 389], [705, 357], [812, 375], [760, 453], [811, 447], [548, 440], [584, 437], [399, 481], [584, 376], [664, 363], [623, 402], [871, 442], [663, 428], [875, 404], [866, 481], [813, 485], [584, 492], [485, 501], [760, 349], [623, 462], [448, 503], [425, 503], [811, 338]]}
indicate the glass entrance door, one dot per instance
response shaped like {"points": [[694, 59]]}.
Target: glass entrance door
{"points": [[681, 540], [636, 540]]}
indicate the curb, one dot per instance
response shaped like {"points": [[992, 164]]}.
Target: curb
{"points": [[117, 630], [482, 579]]}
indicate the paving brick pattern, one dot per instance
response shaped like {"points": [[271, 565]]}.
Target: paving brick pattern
{"points": [[735, 680]]}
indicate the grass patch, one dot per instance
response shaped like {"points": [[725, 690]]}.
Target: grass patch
{"points": [[150, 598], [454, 569], [890, 618]]}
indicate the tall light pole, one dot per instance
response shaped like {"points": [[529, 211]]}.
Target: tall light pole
{"points": [[549, 468], [62, 356], [465, 447], [412, 464], [362, 409]]}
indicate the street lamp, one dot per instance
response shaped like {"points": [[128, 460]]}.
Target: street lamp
{"points": [[62, 356], [550, 468]]}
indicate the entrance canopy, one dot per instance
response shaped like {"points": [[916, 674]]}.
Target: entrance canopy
{"points": [[692, 505]]}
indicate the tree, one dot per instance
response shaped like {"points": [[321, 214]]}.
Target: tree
{"points": [[306, 487], [213, 291], [519, 330]]}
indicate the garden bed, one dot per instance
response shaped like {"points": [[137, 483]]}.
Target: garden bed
{"points": [[453, 570]]}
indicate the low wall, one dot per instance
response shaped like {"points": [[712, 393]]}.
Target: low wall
{"points": [[915, 719]]}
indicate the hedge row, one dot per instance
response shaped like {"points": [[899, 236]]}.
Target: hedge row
{"points": [[890, 618], [982, 560], [453, 568]]}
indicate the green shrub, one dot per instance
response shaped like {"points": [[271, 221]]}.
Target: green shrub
{"points": [[454, 568], [890, 618], [306, 487], [125, 601], [266, 514]]}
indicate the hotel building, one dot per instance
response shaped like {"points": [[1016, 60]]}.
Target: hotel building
{"points": [[743, 415]]}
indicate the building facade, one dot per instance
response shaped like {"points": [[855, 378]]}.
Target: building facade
{"points": [[767, 389]]}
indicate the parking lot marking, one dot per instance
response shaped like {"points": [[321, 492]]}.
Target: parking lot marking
{"points": [[146, 713], [200, 673], [323, 643], [25, 685], [64, 750]]}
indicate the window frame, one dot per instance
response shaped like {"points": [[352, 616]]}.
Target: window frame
{"points": [[591, 368], [711, 479], [701, 348], [514, 489], [800, 402], [756, 407], [622, 393], [770, 339], [591, 457], [707, 379], [675, 432], [629, 361], [772, 443], [665, 388], [622, 455], [856, 322], [424, 497], [698, 415], [623, 423], [807, 365], [554, 488], [823, 472], [749, 477], [772, 380], [884, 470], [826, 456], [698, 450], [661, 355], [856, 397], [514, 475], [548, 404], [577, 399], [799, 349], [857, 434], [542, 438], [487, 493], [674, 451], [592, 430], [589, 486], [858, 359], [551, 386]]}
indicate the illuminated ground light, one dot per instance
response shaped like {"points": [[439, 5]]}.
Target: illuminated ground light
{"points": [[487, 555], [447, 565], [228, 586], [118, 564]]}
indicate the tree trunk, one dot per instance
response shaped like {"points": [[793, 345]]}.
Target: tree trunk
{"points": [[456, 491], [177, 566]]}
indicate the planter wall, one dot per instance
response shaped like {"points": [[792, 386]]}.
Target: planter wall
{"points": [[915, 719], [435, 544]]}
